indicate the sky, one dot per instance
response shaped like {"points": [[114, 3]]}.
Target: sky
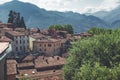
{"points": [[81, 6]]}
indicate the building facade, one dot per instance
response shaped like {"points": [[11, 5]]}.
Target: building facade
{"points": [[49, 47], [5, 48], [20, 42]]}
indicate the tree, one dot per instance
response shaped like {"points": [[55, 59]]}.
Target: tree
{"points": [[95, 58], [51, 27], [11, 18], [16, 20], [68, 28], [22, 23]]}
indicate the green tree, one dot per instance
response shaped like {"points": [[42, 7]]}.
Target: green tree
{"points": [[68, 28], [51, 27], [16, 20], [95, 58], [11, 18], [59, 27], [22, 23]]}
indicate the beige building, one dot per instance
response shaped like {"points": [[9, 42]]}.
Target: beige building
{"points": [[20, 42], [5, 48], [48, 46], [34, 37]]}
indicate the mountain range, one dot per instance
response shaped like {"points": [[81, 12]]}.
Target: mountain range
{"points": [[111, 17], [41, 18]]}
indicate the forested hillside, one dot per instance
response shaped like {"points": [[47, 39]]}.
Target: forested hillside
{"points": [[41, 18], [95, 58]]}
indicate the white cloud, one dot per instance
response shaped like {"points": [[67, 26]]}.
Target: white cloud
{"points": [[81, 6], [106, 5], [3, 1]]}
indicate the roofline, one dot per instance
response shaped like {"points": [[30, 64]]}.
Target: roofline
{"points": [[5, 52]]}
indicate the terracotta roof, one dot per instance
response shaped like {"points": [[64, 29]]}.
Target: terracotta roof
{"points": [[11, 67], [11, 61], [5, 24], [42, 74], [33, 29], [55, 78], [63, 40], [42, 62], [47, 40], [62, 31], [15, 33], [20, 29], [37, 36], [28, 58], [44, 31], [3, 46], [27, 71], [26, 64], [7, 29], [5, 39]]}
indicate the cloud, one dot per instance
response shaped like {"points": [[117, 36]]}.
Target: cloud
{"points": [[3, 1], [106, 5], [81, 6]]}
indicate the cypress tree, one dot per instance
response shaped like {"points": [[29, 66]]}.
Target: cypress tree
{"points": [[18, 20], [11, 17], [22, 23]]}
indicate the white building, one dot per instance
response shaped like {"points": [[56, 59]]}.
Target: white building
{"points": [[20, 42]]}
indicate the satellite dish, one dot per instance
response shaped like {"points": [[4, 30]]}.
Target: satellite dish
{"points": [[33, 72], [25, 74]]}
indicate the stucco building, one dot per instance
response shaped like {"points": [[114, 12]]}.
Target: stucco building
{"points": [[20, 42], [48, 47]]}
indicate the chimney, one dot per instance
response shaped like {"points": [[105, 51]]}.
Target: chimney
{"points": [[58, 58], [47, 61]]}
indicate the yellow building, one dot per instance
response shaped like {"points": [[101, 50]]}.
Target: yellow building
{"points": [[49, 47]]}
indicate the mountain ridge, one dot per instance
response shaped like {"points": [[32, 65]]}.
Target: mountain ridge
{"points": [[111, 17], [39, 17]]}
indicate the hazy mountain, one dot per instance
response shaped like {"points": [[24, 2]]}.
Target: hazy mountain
{"points": [[99, 14], [37, 17], [112, 17]]}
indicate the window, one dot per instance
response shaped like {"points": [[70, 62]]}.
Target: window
{"points": [[40, 49], [49, 45], [16, 48], [24, 48], [28, 40], [44, 45], [20, 47], [24, 41], [40, 45], [44, 49], [16, 42], [20, 41]]}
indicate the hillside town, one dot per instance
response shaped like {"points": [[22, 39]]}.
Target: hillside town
{"points": [[54, 40], [33, 53]]}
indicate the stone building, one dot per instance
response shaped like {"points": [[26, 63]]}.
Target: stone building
{"points": [[49, 47]]}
